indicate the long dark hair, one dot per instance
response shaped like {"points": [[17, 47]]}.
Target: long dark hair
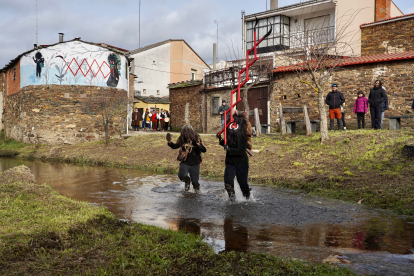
{"points": [[380, 83], [187, 134], [237, 133]]}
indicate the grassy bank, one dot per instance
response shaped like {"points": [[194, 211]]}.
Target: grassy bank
{"points": [[44, 233], [355, 165]]}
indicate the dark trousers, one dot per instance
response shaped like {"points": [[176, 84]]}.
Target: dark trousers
{"points": [[361, 118], [376, 116], [194, 172], [166, 125], [162, 124], [241, 171], [343, 119]]}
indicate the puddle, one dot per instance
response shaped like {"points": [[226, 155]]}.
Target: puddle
{"points": [[280, 222]]}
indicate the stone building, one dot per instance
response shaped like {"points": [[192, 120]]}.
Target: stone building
{"points": [[356, 74], [392, 35], [45, 86]]}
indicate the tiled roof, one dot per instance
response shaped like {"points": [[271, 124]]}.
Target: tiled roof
{"points": [[153, 100], [401, 17], [358, 60], [155, 45], [185, 84]]}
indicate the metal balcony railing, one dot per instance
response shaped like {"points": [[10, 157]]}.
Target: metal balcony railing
{"points": [[312, 37]]}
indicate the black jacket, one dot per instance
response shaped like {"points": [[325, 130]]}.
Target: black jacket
{"points": [[193, 157], [335, 99], [377, 96], [237, 155]]}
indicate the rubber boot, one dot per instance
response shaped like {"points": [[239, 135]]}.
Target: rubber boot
{"points": [[187, 181], [230, 191], [246, 193], [196, 187], [340, 124], [332, 124]]}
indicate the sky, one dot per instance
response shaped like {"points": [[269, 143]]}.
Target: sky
{"points": [[116, 23]]}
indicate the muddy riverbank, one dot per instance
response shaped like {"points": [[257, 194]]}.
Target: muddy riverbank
{"points": [[281, 222]]}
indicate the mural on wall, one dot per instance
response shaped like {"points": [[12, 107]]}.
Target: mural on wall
{"points": [[74, 63]]}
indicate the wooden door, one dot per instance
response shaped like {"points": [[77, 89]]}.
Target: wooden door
{"points": [[257, 98]]}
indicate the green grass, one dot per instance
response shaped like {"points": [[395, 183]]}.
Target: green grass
{"points": [[9, 145], [44, 233]]}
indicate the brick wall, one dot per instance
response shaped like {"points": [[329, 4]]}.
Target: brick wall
{"points": [[382, 9], [13, 79], [52, 114], [388, 37], [2, 95], [180, 97], [396, 78]]}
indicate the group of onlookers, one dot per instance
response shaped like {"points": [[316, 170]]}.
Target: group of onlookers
{"points": [[151, 119], [377, 101]]}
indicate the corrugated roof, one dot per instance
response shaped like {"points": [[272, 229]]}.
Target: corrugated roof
{"points": [[284, 8], [155, 45], [401, 17], [13, 61], [359, 60]]}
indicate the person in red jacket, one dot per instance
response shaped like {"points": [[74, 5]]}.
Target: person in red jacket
{"points": [[154, 120]]}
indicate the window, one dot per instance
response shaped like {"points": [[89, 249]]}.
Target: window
{"points": [[193, 74], [158, 92], [144, 91], [277, 40], [215, 104]]}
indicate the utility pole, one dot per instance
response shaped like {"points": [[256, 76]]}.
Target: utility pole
{"points": [[139, 26], [36, 26], [217, 22]]}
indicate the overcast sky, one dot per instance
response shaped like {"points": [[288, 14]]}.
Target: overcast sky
{"points": [[116, 23]]}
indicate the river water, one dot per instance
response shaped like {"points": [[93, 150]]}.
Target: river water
{"points": [[281, 222]]}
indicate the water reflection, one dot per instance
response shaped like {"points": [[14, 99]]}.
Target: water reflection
{"points": [[280, 222]]}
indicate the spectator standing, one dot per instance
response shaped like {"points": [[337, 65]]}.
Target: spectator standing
{"points": [[376, 97], [136, 118], [162, 119], [222, 109], [361, 108], [154, 120], [167, 119], [146, 119], [384, 107], [335, 99]]}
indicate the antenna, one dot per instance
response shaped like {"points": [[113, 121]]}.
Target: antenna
{"points": [[217, 22], [139, 26], [36, 26]]}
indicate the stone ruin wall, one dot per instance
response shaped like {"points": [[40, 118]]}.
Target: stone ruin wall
{"points": [[51, 114]]}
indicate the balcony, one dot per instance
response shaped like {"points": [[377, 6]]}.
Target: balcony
{"points": [[304, 39]]}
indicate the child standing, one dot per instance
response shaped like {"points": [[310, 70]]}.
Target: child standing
{"points": [[361, 108]]}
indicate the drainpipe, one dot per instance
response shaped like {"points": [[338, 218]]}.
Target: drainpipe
{"points": [[243, 35]]}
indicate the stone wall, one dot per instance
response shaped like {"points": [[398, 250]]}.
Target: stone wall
{"points": [[185, 106], [395, 75], [53, 115], [388, 37], [213, 121]]}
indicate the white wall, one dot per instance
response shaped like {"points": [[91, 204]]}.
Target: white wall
{"points": [[152, 67], [395, 11], [76, 63]]}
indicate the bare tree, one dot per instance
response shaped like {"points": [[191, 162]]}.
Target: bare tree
{"points": [[315, 51], [105, 107]]}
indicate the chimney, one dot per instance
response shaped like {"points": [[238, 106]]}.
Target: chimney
{"points": [[382, 10], [61, 37], [35, 46], [274, 4]]}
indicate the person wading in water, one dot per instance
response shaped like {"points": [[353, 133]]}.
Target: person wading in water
{"points": [[191, 147]]}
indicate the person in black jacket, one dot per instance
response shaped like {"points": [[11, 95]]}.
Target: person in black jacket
{"points": [[376, 98], [189, 141], [237, 161], [335, 99]]}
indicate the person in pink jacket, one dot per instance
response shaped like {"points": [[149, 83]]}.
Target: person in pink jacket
{"points": [[361, 108]]}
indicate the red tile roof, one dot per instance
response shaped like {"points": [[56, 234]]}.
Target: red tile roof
{"points": [[392, 18], [358, 60]]}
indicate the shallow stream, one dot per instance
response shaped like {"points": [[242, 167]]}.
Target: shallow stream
{"points": [[280, 222]]}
